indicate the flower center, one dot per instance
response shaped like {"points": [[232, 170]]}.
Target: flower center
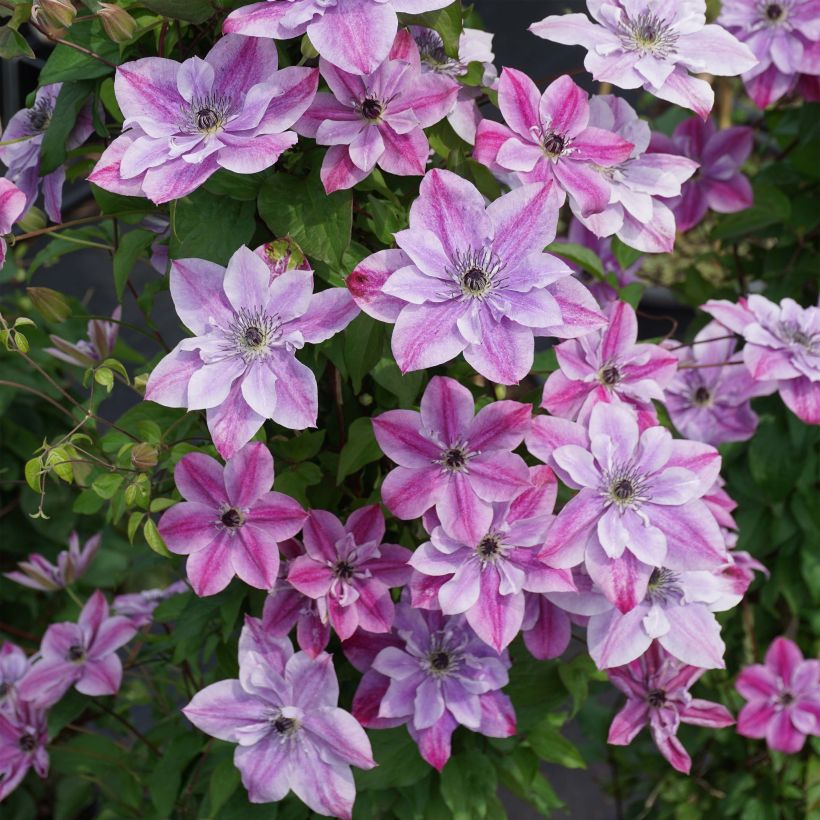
{"points": [[648, 34], [231, 519], [454, 459], [439, 661], [702, 397], [476, 272], [609, 375], [663, 586], [39, 117], [285, 726], [252, 334], [206, 119], [625, 487], [28, 743], [343, 570], [208, 115], [774, 12], [489, 547], [434, 56], [785, 698], [656, 698], [372, 108], [75, 653], [4, 689], [554, 143]]}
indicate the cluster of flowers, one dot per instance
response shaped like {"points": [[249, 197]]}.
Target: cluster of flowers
{"points": [[82, 655], [643, 554]]}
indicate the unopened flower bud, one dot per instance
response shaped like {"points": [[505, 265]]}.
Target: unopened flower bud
{"points": [[54, 15], [51, 304], [144, 456], [119, 25]]}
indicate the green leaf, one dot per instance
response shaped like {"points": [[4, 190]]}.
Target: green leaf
{"points": [[299, 448], [164, 781], [583, 257], [70, 100], [107, 484], [624, 254], [224, 782], [66, 64], [69, 707], [13, 44], [550, 745], [405, 386], [33, 469], [210, 227], [468, 782], [771, 207], [361, 448], [299, 207], [132, 244], [363, 344], [154, 539], [191, 11], [398, 759], [446, 21]]}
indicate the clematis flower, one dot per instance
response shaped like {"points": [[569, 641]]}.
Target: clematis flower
{"points": [[102, 336], [23, 739], [609, 366], [782, 345], [241, 365], [474, 46], [24, 134], [349, 571], [636, 213], [677, 610], [474, 279], [38, 573], [651, 45], [230, 522], [711, 401], [657, 690], [486, 574], [718, 184], [783, 698], [286, 608], [355, 35], [639, 497], [83, 655], [546, 628], [377, 119], [452, 459], [443, 676], [13, 666], [139, 607], [549, 138], [12, 205], [187, 120], [283, 714], [785, 38]]}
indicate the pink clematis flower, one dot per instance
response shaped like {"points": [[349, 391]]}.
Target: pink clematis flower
{"points": [[485, 576], [38, 573], [474, 46], [283, 714], [439, 677], [638, 503], [241, 365], [783, 698], [636, 213], [546, 628], [785, 38], [13, 666], [102, 336], [83, 655], [550, 138], [230, 522], [24, 134], [377, 119], [452, 459], [657, 690], [677, 610], [349, 571], [286, 608], [652, 45], [609, 366], [187, 120], [23, 739], [711, 402], [355, 35], [139, 607], [12, 205], [782, 345], [718, 184], [474, 279]]}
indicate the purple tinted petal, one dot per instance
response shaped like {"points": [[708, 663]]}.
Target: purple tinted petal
{"points": [[210, 569], [447, 410], [101, 677], [248, 474]]}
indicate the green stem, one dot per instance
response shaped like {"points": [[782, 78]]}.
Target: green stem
{"points": [[74, 597]]}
